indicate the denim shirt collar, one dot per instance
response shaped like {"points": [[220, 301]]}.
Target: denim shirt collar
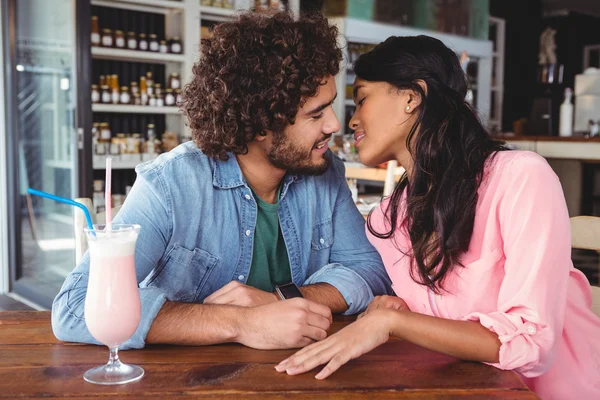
{"points": [[228, 175]]}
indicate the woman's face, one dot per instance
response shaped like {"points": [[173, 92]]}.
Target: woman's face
{"points": [[382, 121]]}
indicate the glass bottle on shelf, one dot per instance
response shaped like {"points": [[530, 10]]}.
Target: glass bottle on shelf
{"points": [[174, 81], [160, 101], [149, 83], [132, 43], [154, 46], [143, 42], [206, 2], [151, 138], [176, 47], [119, 39], [107, 38], [178, 97], [137, 99], [96, 38], [95, 94], [102, 81], [125, 97], [144, 91], [169, 98], [152, 101], [115, 89], [157, 90], [105, 133], [106, 97], [163, 48], [134, 88]]}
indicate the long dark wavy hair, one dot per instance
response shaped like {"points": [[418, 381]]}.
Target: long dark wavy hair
{"points": [[449, 147]]}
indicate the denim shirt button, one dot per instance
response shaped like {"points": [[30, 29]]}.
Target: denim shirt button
{"points": [[247, 197], [241, 278], [248, 232]]}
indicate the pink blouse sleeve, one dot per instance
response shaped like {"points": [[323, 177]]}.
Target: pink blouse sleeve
{"points": [[535, 228]]}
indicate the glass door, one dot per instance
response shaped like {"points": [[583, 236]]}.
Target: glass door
{"points": [[45, 138]]}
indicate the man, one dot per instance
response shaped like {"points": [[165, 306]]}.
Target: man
{"points": [[255, 204]]}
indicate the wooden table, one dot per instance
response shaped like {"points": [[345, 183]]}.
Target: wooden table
{"points": [[33, 364]]}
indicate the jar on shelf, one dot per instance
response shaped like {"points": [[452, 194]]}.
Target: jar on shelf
{"points": [[125, 97], [105, 95], [96, 37], [98, 185], [119, 39], [163, 47], [206, 3], [132, 43], [115, 94], [105, 133], [133, 143], [149, 83], [169, 98], [95, 94], [217, 3], [152, 101], [178, 97], [143, 42], [121, 140], [154, 46], [107, 38], [228, 4], [160, 101], [137, 99], [102, 81], [144, 91], [114, 148], [174, 81], [135, 89], [157, 90], [176, 47]]}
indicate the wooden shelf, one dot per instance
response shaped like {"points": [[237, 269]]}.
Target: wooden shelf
{"points": [[118, 163], [106, 53], [153, 6], [128, 109]]}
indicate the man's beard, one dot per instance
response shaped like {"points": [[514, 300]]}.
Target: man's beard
{"points": [[284, 154]]}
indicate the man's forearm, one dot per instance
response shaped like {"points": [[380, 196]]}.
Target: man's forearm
{"points": [[195, 324], [327, 295]]}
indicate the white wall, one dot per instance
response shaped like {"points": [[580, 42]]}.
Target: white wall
{"points": [[4, 269]]}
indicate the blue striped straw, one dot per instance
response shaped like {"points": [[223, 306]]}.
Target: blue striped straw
{"points": [[88, 217]]}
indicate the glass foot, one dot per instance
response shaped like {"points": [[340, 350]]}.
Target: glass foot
{"points": [[114, 374]]}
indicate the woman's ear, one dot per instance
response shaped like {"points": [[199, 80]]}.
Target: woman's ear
{"points": [[414, 98]]}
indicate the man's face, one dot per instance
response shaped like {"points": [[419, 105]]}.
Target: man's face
{"points": [[300, 148]]}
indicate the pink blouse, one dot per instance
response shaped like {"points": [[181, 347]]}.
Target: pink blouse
{"points": [[518, 279]]}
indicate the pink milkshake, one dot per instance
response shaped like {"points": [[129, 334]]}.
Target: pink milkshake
{"points": [[112, 304]]}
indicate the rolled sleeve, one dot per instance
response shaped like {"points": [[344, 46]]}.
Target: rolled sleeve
{"points": [[351, 285], [521, 341]]}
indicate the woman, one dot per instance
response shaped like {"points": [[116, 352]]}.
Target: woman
{"points": [[475, 238]]}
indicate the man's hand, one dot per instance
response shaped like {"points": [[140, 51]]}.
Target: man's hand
{"points": [[382, 302], [238, 294], [285, 324]]}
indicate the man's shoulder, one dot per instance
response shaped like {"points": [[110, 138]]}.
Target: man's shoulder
{"points": [[185, 157]]}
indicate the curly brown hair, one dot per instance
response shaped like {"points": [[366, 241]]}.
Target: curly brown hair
{"points": [[253, 75]]}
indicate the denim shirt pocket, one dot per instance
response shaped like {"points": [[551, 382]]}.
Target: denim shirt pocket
{"points": [[322, 236], [182, 274]]}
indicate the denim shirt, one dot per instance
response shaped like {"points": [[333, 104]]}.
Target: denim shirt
{"points": [[198, 219]]}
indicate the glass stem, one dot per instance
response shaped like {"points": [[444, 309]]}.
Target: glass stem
{"points": [[113, 360]]}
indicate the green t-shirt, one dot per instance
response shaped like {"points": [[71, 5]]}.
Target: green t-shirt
{"points": [[270, 263]]}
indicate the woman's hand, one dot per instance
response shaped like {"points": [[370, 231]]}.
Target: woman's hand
{"points": [[383, 302], [351, 342]]}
